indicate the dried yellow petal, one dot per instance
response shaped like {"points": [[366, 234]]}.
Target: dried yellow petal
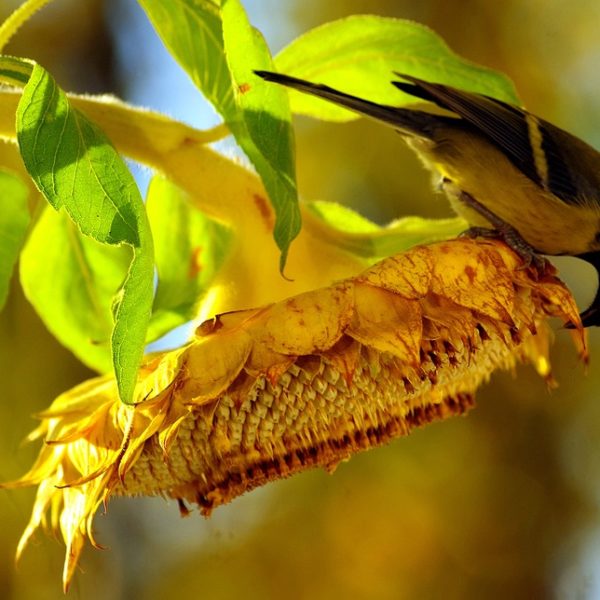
{"points": [[387, 322]]}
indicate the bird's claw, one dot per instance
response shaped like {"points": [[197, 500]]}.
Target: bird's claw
{"points": [[515, 242]]}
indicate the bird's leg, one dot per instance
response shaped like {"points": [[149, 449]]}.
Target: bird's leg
{"points": [[505, 232]]}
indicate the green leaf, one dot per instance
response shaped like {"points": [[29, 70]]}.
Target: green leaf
{"points": [[14, 220], [192, 32], [266, 133], [132, 315], [74, 165], [15, 71], [76, 168], [219, 49], [189, 249], [342, 217], [71, 281], [362, 237], [359, 55]]}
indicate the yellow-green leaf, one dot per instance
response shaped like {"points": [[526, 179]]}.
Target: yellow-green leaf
{"points": [[359, 55], [14, 219]]}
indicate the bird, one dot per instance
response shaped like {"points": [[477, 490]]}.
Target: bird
{"points": [[508, 172]]}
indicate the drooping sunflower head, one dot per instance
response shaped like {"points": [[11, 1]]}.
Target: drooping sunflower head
{"points": [[261, 394]]}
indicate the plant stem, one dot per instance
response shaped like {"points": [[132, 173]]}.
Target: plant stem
{"points": [[17, 18]]}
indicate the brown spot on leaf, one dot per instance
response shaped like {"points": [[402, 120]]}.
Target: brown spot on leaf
{"points": [[264, 208], [244, 87], [195, 266]]}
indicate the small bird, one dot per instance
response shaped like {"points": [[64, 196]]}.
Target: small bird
{"points": [[507, 172]]}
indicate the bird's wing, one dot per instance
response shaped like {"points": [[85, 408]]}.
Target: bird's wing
{"points": [[530, 143]]}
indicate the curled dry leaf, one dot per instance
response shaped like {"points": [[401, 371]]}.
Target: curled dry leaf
{"points": [[261, 394]]}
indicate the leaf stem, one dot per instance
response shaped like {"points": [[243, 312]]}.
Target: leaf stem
{"points": [[216, 133]]}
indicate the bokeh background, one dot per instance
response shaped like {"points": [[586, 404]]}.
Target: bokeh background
{"points": [[500, 504]]}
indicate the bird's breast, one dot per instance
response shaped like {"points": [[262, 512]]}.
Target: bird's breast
{"points": [[546, 222]]}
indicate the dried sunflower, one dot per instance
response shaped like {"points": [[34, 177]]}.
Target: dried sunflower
{"points": [[261, 394]]}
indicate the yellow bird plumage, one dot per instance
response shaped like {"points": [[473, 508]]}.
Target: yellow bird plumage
{"points": [[501, 167]]}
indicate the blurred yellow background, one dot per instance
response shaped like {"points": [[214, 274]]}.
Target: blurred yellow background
{"points": [[500, 504]]}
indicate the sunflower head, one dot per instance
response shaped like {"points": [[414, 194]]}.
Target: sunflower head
{"points": [[261, 394]]}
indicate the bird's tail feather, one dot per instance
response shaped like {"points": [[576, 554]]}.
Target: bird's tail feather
{"points": [[411, 122]]}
